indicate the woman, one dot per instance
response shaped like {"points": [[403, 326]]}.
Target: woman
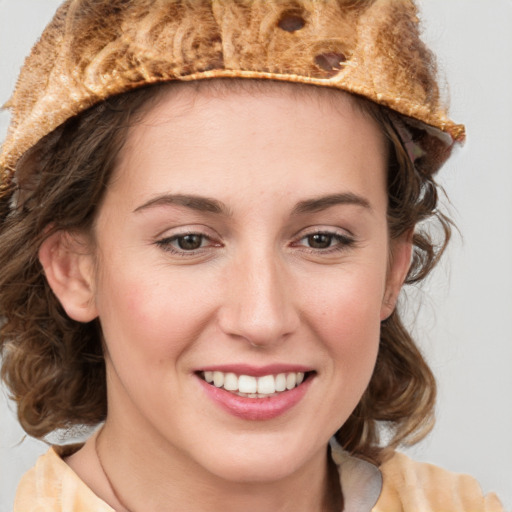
{"points": [[222, 259]]}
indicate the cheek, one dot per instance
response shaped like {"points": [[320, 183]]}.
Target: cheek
{"points": [[345, 321], [345, 315], [153, 316], [349, 303], [352, 330]]}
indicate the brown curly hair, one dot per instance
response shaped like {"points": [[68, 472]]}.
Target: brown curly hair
{"points": [[54, 366]]}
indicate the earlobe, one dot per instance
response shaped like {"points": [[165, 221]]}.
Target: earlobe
{"points": [[68, 267], [400, 262]]}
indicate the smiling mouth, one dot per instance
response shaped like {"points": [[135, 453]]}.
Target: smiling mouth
{"points": [[248, 386]]}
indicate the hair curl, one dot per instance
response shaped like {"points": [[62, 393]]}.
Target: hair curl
{"points": [[54, 366]]}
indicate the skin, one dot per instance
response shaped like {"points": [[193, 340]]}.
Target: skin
{"points": [[257, 291]]}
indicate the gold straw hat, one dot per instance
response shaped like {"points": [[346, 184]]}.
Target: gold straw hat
{"points": [[94, 49]]}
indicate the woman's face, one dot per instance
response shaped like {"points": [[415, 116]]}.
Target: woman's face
{"points": [[243, 238]]}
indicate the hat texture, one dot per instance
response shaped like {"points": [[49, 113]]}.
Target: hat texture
{"points": [[94, 49]]}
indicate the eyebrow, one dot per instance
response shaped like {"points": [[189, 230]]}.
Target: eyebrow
{"points": [[198, 203], [210, 205], [325, 202]]}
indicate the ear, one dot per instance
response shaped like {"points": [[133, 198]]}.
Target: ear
{"points": [[400, 262], [69, 269]]}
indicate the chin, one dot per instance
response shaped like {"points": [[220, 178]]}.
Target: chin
{"points": [[259, 460], [255, 469]]}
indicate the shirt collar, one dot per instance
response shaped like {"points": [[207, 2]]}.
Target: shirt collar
{"points": [[361, 481]]}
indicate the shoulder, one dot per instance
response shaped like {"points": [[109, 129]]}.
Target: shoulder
{"points": [[52, 486], [410, 486]]}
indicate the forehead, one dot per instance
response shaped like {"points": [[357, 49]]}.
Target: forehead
{"points": [[194, 135], [185, 95]]}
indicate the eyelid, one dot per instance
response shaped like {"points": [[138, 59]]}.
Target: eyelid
{"points": [[324, 230], [345, 239], [187, 229], [165, 240]]}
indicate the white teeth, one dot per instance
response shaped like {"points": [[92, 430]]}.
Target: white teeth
{"points": [[281, 382], [247, 384], [230, 382], [218, 379], [254, 387], [291, 380], [266, 385]]}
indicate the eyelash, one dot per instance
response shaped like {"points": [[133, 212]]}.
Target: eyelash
{"points": [[166, 244], [342, 243]]}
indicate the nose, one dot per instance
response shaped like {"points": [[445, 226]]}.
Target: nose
{"points": [[259, 304]]}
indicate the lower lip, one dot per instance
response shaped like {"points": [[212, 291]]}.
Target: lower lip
{"points": [[256, 409]]}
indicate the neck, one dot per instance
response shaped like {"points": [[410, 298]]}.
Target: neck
{"points": [[144, 475]]}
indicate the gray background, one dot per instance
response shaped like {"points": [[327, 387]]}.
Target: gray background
{"points": [[464, 325]]}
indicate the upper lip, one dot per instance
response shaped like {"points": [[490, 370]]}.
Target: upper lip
{"points": [[256, 371]]}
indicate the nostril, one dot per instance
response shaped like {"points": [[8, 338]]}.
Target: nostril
{"points": [[331, 62], [291, 21]]}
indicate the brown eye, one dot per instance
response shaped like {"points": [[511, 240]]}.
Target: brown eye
{"points": [[320, 241], [190, 242], [326, 242]]}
